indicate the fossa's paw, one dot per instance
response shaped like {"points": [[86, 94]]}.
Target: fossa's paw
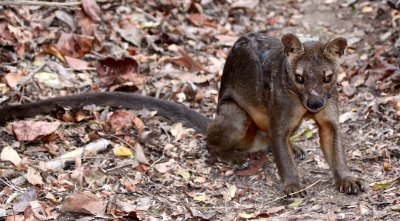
{"points": [[293, 189], [350, 185], [299, 153]]}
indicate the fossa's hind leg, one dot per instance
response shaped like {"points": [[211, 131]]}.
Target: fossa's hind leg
{"points": [[233, 130], [228, 128]]}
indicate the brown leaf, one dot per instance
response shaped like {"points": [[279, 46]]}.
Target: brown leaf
{"points": [[129, 185], [125, 206], [30, 130], [95, 176], [67, 18], [130, 33], [185, 61], [348, 89], [275, 209], [52, 50], [120, 120], [86, 23], [12, 79], [74, 45], [76, 63], [139, 125], [5, 35], [199, 20], [120, 71], [34, 177], [139, 154], [39, 210], [16, 218], [85, 203], [258, 159], [91, 8]]}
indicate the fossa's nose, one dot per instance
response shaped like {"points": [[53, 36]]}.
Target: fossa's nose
{"points": [[314, 103]]}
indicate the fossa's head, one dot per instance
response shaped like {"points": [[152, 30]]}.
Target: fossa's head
{"points": [[312, 68]]}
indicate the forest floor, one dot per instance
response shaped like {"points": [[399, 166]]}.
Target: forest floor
{"points": [[174, 50]]}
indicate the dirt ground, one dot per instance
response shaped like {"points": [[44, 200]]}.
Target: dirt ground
{"points": [[176, 51]]}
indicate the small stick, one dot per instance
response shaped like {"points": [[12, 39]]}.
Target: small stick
{"points": [[291, 194], [40, 3], [9, 184], [26, 79]]}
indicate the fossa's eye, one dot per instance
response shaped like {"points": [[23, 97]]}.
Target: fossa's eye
{"points": [[299, 79], [327, 78]]}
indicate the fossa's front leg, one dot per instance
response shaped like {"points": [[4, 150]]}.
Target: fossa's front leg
{"points": [[282, 126], [331, 145]]}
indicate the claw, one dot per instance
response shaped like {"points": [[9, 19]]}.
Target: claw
{"points": [[350, 185], [290, 189]]}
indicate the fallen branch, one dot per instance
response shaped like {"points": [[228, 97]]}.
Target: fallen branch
{"points": [[40, 3], [91, 148]]}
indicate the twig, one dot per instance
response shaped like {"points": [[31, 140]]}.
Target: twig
{"points": [[291, 194], [121, 166], [158, 160], [40, 3], [26, 79], [9, 184]]}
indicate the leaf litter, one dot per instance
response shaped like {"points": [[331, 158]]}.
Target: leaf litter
{"points": [[175, 50]]}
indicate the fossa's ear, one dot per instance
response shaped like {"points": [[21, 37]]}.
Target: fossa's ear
{"points": [[291, 44], [335, 48]]}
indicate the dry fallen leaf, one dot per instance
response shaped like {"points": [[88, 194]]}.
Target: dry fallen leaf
{"points": [[295, 203], [139, 154], [202, 197], [38, 211], [91, 8], [257, 161], [125, 206], [185, 174], [112, 71], [229, 193], [120, 120], [275, 209], [12, 79], [139, 125], [34, 177], [122, 151], [381, 185], [250, 4], [30, 130], [206, 215], [74, 45], [16, 218], [144, 203], [179, 132], [95, 176], [50, 79], [199, 20], [165, 167], [130, 32], [52, 50], [76, 63], [9, 154], [84, 203]]}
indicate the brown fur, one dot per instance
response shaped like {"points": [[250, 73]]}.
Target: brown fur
{"points": [[268, 86]]}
